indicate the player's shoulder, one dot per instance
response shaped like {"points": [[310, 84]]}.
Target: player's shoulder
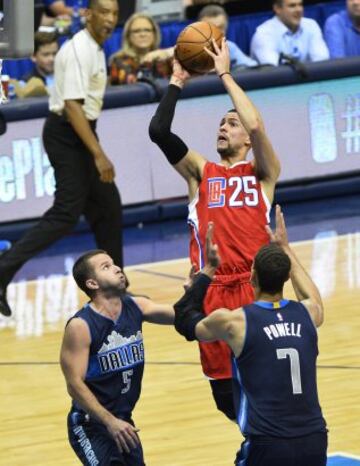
{"points": [[77, 329]]}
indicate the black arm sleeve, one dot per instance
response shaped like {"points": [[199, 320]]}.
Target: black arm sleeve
{"points": [[172, 146], [188, 310]]}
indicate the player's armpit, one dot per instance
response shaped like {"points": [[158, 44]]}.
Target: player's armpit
{"points": [[191, 167]]}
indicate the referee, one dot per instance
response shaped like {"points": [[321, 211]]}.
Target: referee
{"points": [[84, 174]]}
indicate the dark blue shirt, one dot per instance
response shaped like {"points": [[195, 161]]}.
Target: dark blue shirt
{"points": [[342, 39], [275, 374], [116, 358], [69, 3]]}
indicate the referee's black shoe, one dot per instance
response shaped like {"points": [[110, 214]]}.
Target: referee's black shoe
{"points": [[4, 305]]}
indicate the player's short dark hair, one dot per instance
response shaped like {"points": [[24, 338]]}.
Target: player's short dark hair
{"points": [[82, 270], [278, 2], [94, 3], [272, 266], [232, 110], [212, 11], [44, 38]]}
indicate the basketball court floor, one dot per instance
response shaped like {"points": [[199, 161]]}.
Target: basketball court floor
{"points": [[179, 424]]}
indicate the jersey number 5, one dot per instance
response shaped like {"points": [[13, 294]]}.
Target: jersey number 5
{"points": [[244, 192], [293, 354], [127, 380]]}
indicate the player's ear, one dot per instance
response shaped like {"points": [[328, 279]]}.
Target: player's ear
{"points": [[92, 284]]}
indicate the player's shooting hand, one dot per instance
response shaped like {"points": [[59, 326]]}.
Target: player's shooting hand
{"points": [[212, 254], [124, 434], [220, 55], [179, 75], [105, 168], [279, 236]]}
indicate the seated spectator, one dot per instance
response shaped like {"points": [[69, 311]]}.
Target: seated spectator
{"points": [[288, 35], [41, 77], [65, 7], [139, 55], [342, 31], [216, 15], [45, 49], [65, 14]]}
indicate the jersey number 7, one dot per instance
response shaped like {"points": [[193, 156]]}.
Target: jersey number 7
{"points": [[293, 354]]}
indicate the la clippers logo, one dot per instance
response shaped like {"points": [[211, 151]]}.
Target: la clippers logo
{"points": [[216, 196]]}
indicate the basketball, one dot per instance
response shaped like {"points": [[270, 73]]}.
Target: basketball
{"points": [[190, 46]]}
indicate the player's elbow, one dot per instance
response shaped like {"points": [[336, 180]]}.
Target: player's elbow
{"points": [[256, 127], [320, 315], [157, 130]]}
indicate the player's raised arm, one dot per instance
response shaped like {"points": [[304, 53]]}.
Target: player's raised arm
{"points": [[187, 162], [154, 312], [267, 164], [305, 289]]}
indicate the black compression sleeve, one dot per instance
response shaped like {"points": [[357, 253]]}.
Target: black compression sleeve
{"points": [[172, 146], [188, 310]]}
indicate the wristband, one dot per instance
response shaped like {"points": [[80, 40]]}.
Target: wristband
{"points": [[225, 72]]}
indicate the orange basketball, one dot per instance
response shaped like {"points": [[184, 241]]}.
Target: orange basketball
{"points": [[190, 46]]}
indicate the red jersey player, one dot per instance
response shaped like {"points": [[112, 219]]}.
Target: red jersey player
{"points": [[234, 194]]}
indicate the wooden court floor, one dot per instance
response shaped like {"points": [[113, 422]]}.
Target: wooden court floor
{"points": [[179, 424]]}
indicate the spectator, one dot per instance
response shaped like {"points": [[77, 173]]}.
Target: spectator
{"points": [[342, 31], [216, 15], [65, 14], [45, 50], [288, 33], [40, 79], [140, 53], [65, 7]]}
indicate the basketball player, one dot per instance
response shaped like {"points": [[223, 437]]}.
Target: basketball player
{"points": [[102, 358], [235, 194], [274, 345]]}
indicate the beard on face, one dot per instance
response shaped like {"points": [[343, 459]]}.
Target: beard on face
{"points": [[226, 152], [110, 290]]}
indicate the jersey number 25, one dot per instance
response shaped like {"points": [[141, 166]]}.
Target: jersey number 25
{"points": [[244, 191]]}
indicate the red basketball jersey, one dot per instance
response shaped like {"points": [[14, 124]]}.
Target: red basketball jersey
{"points": [[233, 199]]}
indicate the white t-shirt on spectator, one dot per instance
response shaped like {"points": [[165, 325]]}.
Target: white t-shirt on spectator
{"points": [[80, 73]]}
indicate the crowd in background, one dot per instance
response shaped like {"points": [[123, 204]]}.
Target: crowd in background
{"points": [[286, 37]]}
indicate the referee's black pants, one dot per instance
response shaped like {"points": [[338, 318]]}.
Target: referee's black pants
{"points": [[78, 191]]}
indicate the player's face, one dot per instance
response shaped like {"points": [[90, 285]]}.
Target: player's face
{"points": [[107, 276], [142, 34], [219, 21], [231, 136], [102, 19], [45, 57], [353, 7], [290, 13]]}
